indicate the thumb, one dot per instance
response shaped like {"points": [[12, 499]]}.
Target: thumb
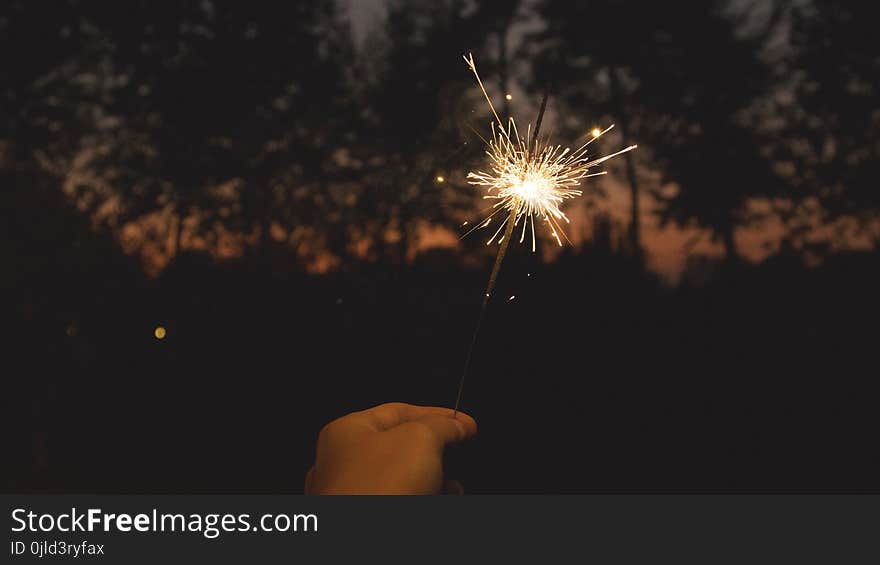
{"points": [[448, 429]]}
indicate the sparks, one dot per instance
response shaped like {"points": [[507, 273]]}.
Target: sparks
{"points": [[530, 179]]}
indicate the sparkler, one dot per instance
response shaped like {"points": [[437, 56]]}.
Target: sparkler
{"points": [[530, 179]]}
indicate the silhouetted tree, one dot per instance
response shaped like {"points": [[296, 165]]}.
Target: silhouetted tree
{"points": [[40, 46], [225, 101], [833, 144], [418, 117], [682, 80], [586, 51]]}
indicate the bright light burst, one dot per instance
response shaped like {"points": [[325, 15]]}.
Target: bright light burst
{"points": [[531, 178]]}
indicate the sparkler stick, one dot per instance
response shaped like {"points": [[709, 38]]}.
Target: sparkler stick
{"points": [[529, 178], [502, 251]]}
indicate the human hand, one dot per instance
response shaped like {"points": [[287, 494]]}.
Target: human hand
{"points": [[392, 448]]}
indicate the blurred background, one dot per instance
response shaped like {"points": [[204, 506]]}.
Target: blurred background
{"points": [[227, 223]]}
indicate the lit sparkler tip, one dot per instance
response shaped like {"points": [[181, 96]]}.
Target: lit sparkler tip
{"points": [[531, 178]]}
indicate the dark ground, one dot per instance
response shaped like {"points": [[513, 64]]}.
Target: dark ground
{"points": [[594, 379]]}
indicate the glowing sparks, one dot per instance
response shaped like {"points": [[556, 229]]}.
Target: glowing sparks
{"points": [[440, 178], [508, 96], [530, 179]]}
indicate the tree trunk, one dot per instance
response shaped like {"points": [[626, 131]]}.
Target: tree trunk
{"points": [[728, 239], [623, 125]]}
